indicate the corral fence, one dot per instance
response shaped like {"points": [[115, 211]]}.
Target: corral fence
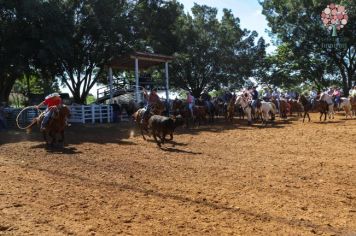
{"points": [[82, 114]]}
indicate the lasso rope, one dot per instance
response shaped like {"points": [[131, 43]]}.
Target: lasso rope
{"points": [[25, 109]]}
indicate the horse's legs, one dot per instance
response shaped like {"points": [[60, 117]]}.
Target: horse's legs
{"points": [[154, 136], [308, 116], [53, 136], [62, 137], [143, 136], [45, 137], [305, 113]]}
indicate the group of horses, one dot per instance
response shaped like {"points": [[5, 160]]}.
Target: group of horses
{"points": [[206, 111]]}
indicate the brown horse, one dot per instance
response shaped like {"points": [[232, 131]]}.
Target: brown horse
{"points": [[181, 108], [295, 106], [156, 109], [322, 107], [353, 105], [56, 124], [230, 111]]}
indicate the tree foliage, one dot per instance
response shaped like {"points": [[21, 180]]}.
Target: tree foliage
{"points": [[212, 53], [299, 31]]}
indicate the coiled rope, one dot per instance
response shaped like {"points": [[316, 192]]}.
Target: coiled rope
{"points": [[23, 110]]}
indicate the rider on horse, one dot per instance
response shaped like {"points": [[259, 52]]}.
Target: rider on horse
{"points": [[254, 95], [152, 100], [190, 102], [336, 95], [353, 92], [53, 103]]}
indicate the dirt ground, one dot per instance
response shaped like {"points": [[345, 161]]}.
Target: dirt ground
{"points": [[290, 179]]}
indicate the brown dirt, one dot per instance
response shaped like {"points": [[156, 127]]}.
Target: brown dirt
{"points": [[290, 179]]}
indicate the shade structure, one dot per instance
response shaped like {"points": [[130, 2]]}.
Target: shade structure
{"points": [[146, 61], [140, 61]]}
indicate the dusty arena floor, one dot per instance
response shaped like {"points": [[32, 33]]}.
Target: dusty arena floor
{"points": [[290, 179]]}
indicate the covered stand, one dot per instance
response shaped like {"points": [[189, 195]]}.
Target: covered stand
{"points": [[137, 61]]}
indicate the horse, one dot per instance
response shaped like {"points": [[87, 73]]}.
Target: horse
{"points": [[56, 124], [256, 112], [156, 109], [307, 106], [246, 107], [267, 109], [209, 108], [322, 107], [283, 108], [219, 106], [295, 106], [353, 105], [230, 111], [181, 108], [329, 100], [345, 104]]}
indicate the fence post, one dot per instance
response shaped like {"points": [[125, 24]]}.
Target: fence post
{"points": [[101, 115], [109, 110], [93, 114], [83, 114]]}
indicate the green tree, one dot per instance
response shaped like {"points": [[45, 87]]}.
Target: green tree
{"points": [[16, 42], [212, 53], [95, 30], [297, 25]]}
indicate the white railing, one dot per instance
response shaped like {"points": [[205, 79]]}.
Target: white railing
{"points": [[79, 114], [92, 114]]}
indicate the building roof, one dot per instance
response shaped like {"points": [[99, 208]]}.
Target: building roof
{"points": [[145, 60]]}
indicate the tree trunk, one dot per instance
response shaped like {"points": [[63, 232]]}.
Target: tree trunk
{"points": [[5, 88]]}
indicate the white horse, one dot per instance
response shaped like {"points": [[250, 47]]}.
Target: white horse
{"points": [[244, 103], [267, 109], [329, 100], [346, 105]]}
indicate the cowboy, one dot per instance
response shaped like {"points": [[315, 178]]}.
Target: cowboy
{"points": [[353, 92], [313, 95], [152, 100], [254, 95], [266, 95], [53, 103], [336, 94], [191, 102]]}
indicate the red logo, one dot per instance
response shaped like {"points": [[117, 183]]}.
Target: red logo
{"points": [[334, 17]]}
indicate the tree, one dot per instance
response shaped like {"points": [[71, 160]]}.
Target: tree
{"points": [[16, 40], [298, 25], [211, 53], [95, 31]]}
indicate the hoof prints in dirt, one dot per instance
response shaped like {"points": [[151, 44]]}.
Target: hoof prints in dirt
{"points": [[5, 228]]}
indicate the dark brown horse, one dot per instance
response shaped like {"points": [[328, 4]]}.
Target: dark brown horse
{"points": [[56, 124], [307, 105]]}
